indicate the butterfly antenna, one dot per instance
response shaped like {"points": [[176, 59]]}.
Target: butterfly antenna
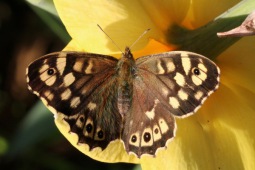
{"points": [[145, 32], [110, 38]]}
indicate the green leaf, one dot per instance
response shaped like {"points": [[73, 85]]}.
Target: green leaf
{"points": [[204, 40], [137, 167], [46, 10], [46, 5], [3, 145]]}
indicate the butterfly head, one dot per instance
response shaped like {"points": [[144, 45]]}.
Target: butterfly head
{"points": [[128, 53]]}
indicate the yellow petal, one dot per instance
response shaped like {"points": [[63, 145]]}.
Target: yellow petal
{"points": [[123, 21], [113, 153], [164, 13], [201, 11], [230, 128], [153, 47], [221, 134], [188, 150], [237, 63]]}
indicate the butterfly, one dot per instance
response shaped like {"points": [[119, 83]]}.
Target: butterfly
{"points": [[104, 99]]}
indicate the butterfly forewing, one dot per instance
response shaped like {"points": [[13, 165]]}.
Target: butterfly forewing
{"points": [[136, 101], [80, 86], [183, 80]]}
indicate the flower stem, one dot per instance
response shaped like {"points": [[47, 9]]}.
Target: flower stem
{"points": [[204, 40]]}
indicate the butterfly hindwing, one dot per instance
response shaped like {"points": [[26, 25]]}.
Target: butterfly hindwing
{"points": [[148, 124], [77, 85]]}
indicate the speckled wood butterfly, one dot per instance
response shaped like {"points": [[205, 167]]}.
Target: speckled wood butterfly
{"points": [[136, 101]]}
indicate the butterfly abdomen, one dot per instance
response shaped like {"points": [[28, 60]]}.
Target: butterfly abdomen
{"points": [[125, 72]]}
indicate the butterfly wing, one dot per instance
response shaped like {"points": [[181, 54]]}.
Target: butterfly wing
{"points": [[78, 90], [148, 124], [167, 85], [183, 80]]}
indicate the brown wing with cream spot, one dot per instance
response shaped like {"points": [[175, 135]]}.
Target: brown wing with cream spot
{"points": [[166, 85], [67, 83], [183, 80], [148, 124]]}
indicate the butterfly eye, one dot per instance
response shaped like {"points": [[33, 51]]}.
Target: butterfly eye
{"points": [[196, 71], [50, 71]]}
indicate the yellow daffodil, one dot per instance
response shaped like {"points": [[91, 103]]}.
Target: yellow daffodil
{"points": [[220, 135]]}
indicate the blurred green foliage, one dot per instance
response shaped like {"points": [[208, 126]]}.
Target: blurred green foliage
{"points": [[29, 138]]}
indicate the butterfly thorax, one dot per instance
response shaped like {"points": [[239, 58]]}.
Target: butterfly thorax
{"points": [[126, 71]]}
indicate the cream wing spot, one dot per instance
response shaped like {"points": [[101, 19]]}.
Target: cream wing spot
{"points": [[61, 64], [197, 81], [78, 65], [44, 68], [89, 128], [163, 126], [198, 95], [174, 102], [179, 78], [202, 67], [88, 70], [203, 75], [91, 106], [156, 133], [80, 121], [186, 64], [199, 75], [151, 114], [66, 94], [50, 81], [170, 66], [48, 95], [45, 77], [182, 95], [69, 79], [75, 102], [147, 137], [99, 134], [160, 68]]}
